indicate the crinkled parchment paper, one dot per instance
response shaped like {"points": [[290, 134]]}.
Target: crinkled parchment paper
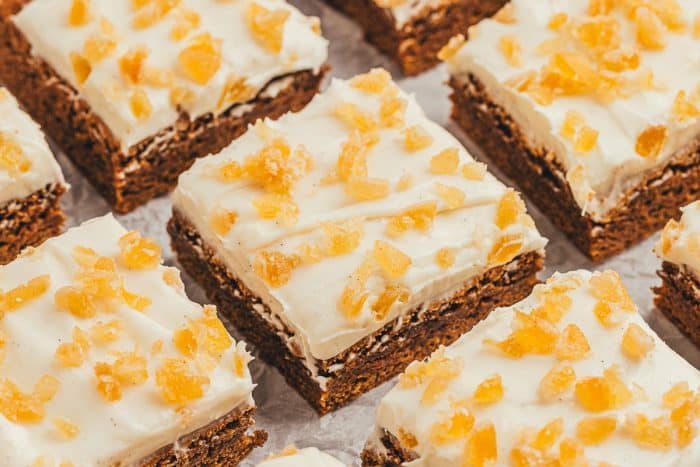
{"points": [[281, 412]]}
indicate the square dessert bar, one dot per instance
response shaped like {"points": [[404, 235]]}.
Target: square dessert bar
{"points": [[105, 361], [571, 376], [591, 107], [134, 92], [414, 31], [679, 295], [351, 238], [31, 182], [307, 457]]}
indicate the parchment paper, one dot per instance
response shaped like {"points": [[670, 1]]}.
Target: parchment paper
{"points": [[281, 412]]}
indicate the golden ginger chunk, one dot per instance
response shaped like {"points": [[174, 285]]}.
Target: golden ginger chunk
{"points": [[392, 261]]}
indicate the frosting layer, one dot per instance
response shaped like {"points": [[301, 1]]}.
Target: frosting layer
{"points": [[351, 212], [26, 162], [104, 358], [138, 63], [609, 88], [589, 381], [307, 457], [680, 241]]}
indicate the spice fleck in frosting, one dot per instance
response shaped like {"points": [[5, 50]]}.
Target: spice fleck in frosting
{"points": [[103, 358], [589, 382]]}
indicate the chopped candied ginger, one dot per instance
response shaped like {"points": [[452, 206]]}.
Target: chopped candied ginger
{"points": [[79, 13], [683, 108], [187, 21], [453, 428], [19, 407], [230, 172], [482, 449], [474, 171], [373, 82], [524, 456], [449, 50], [73, 354], [367, 188], [267, 26], [556, 382], [488, 391], [392, 294], [131, 64], [573, 120], [595, 430], [130, 368], [547, 436], [655, 434], [608, 287], [105, 332], [530, 335], [277, 206], [601, 393], [445, 258], [621, 60], [342, 237], [572, 344], [75, 301], [275, 167], [405, 182], [355, 118], [274, 267], [650, 29], [391, 112], [599, 34], [601, 7], [140, 105], [555, 303], [81, 67], [201, 59], [651, 141], [445, 162], [571, 454], [235, 90], [352, 161], [679, 392], [436, 366], [452, 196], [557, 21], [150, 12], [393, 262], [137, 302], [509, 208], [178, 385], [416, 138], [586, 139], [419, 216], [636, 343], [354, 296], [222, 220], [505, 248], [511, 49], [139, 252], [66, 428], [97, 48], [24, 293]]}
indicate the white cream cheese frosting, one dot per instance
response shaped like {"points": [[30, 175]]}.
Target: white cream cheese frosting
{"points": [[307, 457], [129, 317], [622, 396], [330, 228], [635, 76], [404, 11], [27, 164], [680, 241], [200, 55]]}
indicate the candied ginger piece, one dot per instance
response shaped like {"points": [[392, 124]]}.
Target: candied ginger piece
{"points": [[456, 427], [24, 293], [654, 434], [274, 267], [482, 450], [488, 391], [267, 26], [373, 82], [130, 368], [557, 21], [97, 48], [452, 196], [571, 454], [419, 216], [595, 430], [505, 248], [445, 257], [573, 120], [178, 385], [598, 394], [352, 161], [139, 252], [105, 332], [572, 344], [608, 286], [678, 393], [20, 407], [636, 343], [342, 237], [531, 335], [416, 138], [391, 112], [683, 108], [277, 206], [355, 118], [275, 167], [367, 188], [75, 301], [650, 29], [201, 59], [353, 297], [586, 139], [511, 49], [509, 209], [557, 381], [548, 435], [73, 354], [222, 220], [79, 14], [651, 141], [235, 90], [474, 171], [391, 294], [131, 64], [445, 162], [392, 261], [66, 428], [140, 105]]}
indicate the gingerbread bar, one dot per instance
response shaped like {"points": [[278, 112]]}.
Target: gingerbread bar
{"points": [[31, 182], [679, 295], [571, 376], [591, 107], [105, 361], [134, 92], [413, 31], [349, 239]]}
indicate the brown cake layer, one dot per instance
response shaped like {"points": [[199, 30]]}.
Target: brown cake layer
{"points": [[679, 299], [224, 442], [151, 167], [390, 454], [643, 210], [371, 361], [29, 221], [416, 44]]}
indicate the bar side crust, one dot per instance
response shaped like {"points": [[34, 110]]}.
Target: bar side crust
{"points": [[642, 211], [678, 298], [392, 454], [416, 44], [224, 441], [27, 222], [374, 359], [151, 167]]}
